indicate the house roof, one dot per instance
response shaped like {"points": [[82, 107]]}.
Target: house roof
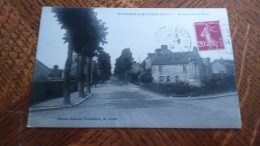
{"points": [[41, 65], [205, 61], [175, 58], [227, 63], [41, 71]]}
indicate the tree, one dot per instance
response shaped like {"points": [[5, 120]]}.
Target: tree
{"points": [[104, 65], [64, 16], [123, 64], [146, 77], [143, 65], [85, 33]]}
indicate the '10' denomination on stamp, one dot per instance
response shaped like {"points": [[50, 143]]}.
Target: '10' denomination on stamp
{"points": [[209, 35]]}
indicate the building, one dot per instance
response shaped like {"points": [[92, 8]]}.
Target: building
{"points": [[41, 72], [173, 67], [47, 83], [136, 68], [44, 73], [56, 73], [221, 68]]}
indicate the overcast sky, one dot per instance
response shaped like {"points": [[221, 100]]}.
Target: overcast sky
{"points": [[135, 29]]}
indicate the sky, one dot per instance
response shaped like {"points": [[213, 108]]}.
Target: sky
{"points": [[141, 30]]}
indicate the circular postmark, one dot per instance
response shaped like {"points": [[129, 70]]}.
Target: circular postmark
{"points": [[176, 38]]}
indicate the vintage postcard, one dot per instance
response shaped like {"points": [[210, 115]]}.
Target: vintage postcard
{"points": [[134, 68]]}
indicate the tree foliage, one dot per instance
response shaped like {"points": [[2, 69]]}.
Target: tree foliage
{"points": [[85, 31], [123, 62], [104, 65]]}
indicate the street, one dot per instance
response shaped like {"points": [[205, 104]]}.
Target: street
{"points": [[115, 104]]}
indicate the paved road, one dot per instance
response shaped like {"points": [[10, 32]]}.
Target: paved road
{"points": [[117, 105]]}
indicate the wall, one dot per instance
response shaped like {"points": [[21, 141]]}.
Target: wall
{"points": [[169, 70], [218, 68]]}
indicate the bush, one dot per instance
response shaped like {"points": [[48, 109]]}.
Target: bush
{"points": [[217, 85], [146, 77], [42, 91], [180, 88], [133, 77], [213, 86]]}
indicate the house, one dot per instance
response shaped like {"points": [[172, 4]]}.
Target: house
{"points": [[173, 67], [221, 67], [56, 73], [136, 68], [44, 73], [41, 72], [47, 83], [206, 69]]}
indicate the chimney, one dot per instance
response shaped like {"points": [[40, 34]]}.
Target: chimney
{"points": [[163, 46], [55, 67]]}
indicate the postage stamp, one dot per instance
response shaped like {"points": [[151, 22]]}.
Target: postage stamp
{"points": [[209, 35]]}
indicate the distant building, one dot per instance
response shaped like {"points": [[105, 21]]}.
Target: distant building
{"points": [[56, 73], [173, 67], [44, 73], [41, 72], [221, 67], [206, 69], [136, 68]]}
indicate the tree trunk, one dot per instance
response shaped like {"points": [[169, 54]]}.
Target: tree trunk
{"points": [[66, 83], [77, 72], [102, 75], [126, 78], [88, 75], [82, 59]]}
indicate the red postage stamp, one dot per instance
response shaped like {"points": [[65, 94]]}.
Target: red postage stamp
{"points": [[209, 35]]}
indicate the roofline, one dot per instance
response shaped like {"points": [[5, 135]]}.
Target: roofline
{"points": [[219, 60], [41, 64]]}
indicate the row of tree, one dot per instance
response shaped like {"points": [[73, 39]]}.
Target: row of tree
{"points": [[104, 66], [84, 34]]}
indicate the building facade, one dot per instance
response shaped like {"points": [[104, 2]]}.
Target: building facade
{"points": [[173, 67], [221, 68]]}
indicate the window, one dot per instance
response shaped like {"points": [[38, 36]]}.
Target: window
{"points": [[161, 78], [160, 69], [184, 68], [168, 79], [177, 79]]}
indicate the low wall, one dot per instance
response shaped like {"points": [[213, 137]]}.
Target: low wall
{"points": [[42, 91]]}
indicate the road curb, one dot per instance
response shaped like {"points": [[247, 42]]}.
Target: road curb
{"points": [[61, 106], [202, 98]]}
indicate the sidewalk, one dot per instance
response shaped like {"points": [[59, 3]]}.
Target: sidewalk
{"points": [[57, 103], [212, 96]]}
